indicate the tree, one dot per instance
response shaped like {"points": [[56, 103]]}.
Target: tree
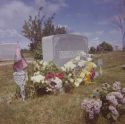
{"points": [[32, 29], [92, 50], [120, 22], [36, 28], [104, 47]]}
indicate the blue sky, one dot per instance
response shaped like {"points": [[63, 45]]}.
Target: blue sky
{"points": [[92, 18]]}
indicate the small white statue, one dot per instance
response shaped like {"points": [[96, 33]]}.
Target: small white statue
{"points": [[20, 79]]}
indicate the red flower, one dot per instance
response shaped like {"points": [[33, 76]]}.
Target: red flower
{"points": [[60, 75], [50, 75], [92, 74]]}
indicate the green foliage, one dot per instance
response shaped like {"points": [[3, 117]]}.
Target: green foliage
{"points": [[37, 27], [92, 50], [103, 47]]}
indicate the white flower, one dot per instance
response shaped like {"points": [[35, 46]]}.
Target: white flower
{"points": [[71, 80], [69, 65], [58, 83], [48, 89], [37, 73], [81, 63], [69, 75], [41, 62], [45, 63], [94, 65], [77, 58], [82, 54], [82, 75], [89, 59], [78, 82], [63, 68], [37, 78], [36, 65]]}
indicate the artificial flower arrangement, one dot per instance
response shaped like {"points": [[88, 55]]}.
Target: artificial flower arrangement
{"points": [[108, 101], [47, 77]]}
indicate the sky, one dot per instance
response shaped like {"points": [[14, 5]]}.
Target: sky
{"points": [[91, 18]]}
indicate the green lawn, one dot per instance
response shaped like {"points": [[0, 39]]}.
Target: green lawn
{"points": [[61, 108]]}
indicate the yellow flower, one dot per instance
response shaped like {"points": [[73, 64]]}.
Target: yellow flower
{"points": [[87, 78]]}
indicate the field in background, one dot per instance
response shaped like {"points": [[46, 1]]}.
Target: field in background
{"points": [[56, 109], [27, 54]]}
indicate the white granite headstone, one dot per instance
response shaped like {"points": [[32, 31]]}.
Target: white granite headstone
{"points": [[63, 47]]}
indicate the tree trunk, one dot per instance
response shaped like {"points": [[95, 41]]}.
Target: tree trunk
{"points": [[123, 42]]}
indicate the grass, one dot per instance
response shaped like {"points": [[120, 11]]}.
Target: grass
{"points": [[61, 108]]}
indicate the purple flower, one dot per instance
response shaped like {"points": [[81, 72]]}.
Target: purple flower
{"points": [[111, 98], [91, 106], [97, 106], [91, 115], [114, 112], [118, 95], [116, 86], [123, 90], [123, 100]]}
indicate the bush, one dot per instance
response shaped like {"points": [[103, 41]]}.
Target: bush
{"points": [[92, 50], [104, 47]]}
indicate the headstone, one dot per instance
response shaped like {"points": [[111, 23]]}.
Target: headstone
{"points": [[7, 51], [63, 47]]}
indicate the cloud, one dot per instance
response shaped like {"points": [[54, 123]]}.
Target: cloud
{"points": [[51, 7], [14, 12], [13, 15], [114, 32], [8, 33], [104, 1], [104, 22]]}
